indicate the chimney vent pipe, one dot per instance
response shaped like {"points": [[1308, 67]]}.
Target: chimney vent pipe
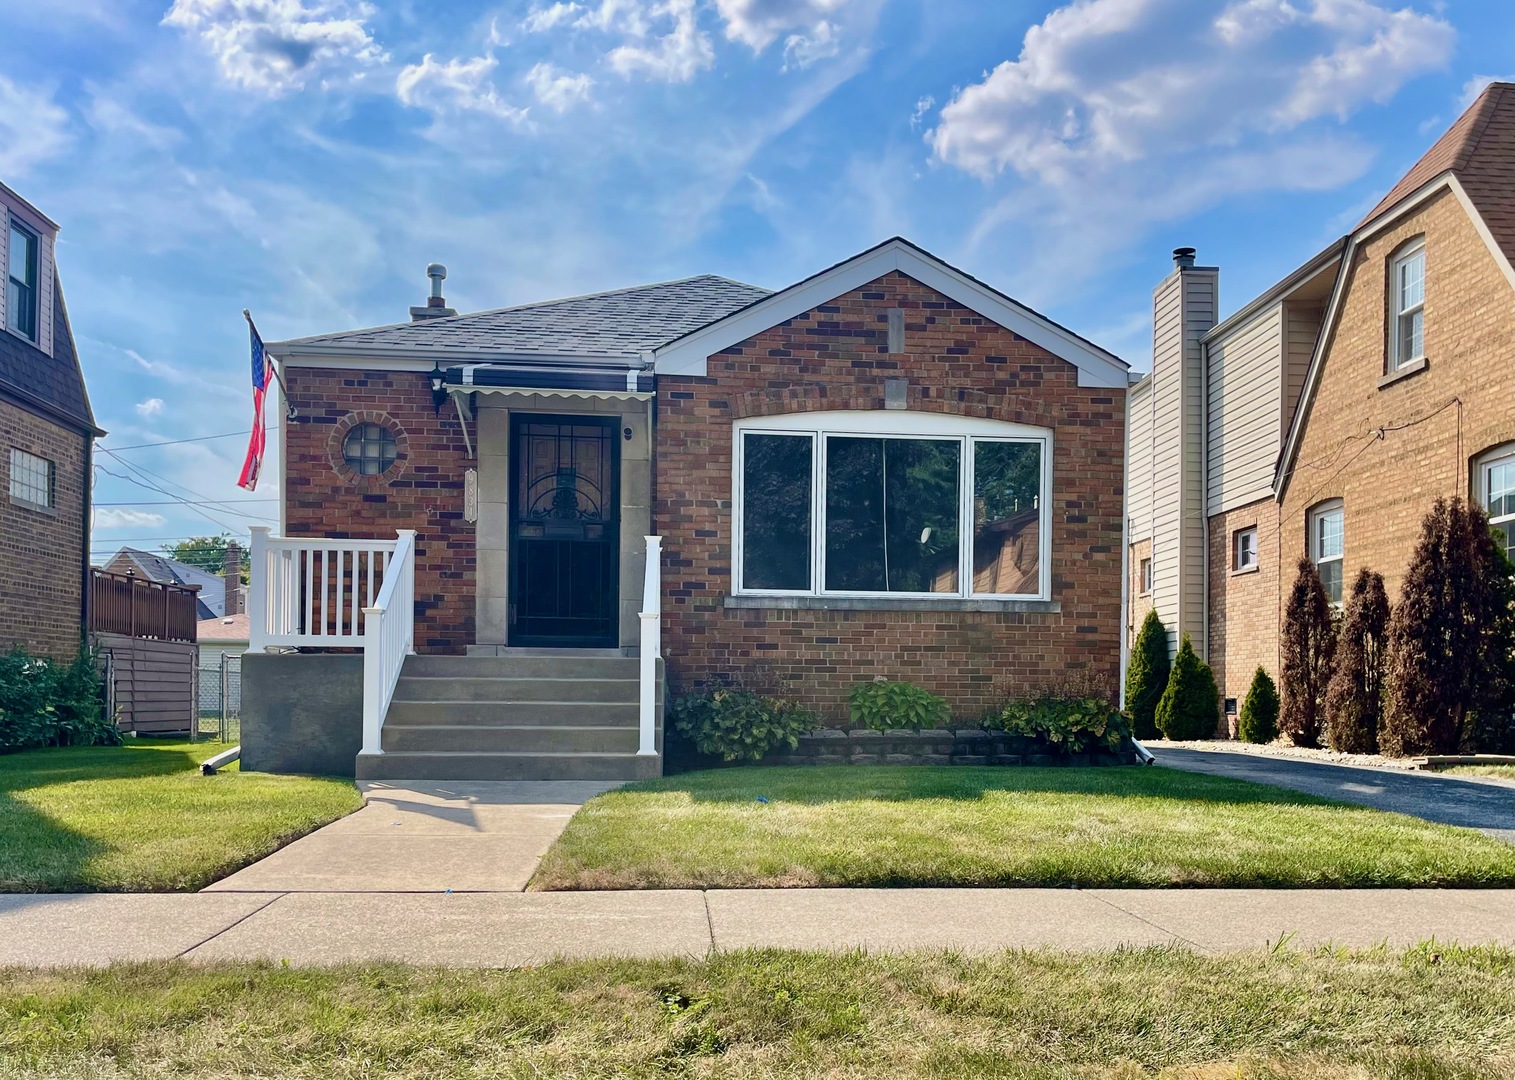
{"points": [[1183, 258]]}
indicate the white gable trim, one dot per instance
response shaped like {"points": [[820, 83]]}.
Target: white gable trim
{"points": [[688, 355], [1446, 181]]}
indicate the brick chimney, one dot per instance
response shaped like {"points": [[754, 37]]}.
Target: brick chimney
{"points": [[231, 571], [436, 305]]}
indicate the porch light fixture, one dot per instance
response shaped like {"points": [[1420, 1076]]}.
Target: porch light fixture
{"points": [[438, 387]]}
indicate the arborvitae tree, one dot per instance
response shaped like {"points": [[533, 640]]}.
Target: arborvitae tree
{"points": [[1147, 676], [1449, 676], [1308, 646], [1354, 696], [1259, 713], [1189, 708]]}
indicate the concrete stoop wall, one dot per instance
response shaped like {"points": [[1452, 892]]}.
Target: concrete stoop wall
{"points": [[968, 746]]}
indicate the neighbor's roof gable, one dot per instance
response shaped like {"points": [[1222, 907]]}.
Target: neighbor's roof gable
{"points": [[619, 325], [688, 355]]}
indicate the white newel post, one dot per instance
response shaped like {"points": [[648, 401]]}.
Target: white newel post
{"points": [[651, 645], [373, 679], [257, 591]]}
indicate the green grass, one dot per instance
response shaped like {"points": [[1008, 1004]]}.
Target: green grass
{"points": [[1502, 772], [914, 826], [1432, 1013], [141, 818]]}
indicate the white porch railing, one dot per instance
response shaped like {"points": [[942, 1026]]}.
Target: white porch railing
{"points": [[313, 592], [651, 645]]}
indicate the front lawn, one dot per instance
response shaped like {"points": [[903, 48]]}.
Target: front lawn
{"points": [[1433, 1013], [922, 826], [1498, 772], [141, 818]]}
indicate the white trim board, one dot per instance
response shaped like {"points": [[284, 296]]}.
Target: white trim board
{"points": [[688, 355]]}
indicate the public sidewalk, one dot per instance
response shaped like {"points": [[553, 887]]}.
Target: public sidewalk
{"points": [[504, 929]]}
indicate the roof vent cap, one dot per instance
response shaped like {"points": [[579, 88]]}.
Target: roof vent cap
{"points": [[1183, 258]]}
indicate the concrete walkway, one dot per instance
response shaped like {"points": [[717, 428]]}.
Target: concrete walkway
{"points": [[1473, 804], [512, 928], [425, 837]]}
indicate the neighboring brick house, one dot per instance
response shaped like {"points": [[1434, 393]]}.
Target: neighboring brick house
{"points": [[46, 437], [1324, 417], [887, 469]]}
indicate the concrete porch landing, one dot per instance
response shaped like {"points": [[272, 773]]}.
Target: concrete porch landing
{"points": [[463, 836]]}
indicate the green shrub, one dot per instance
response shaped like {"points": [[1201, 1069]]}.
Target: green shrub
{"points": [[1308, 647], [1072, 725], [1354, 696], [739, 724], [1147, 676], [43, 703], [883, 705], [1259, 713], [1189, 708]]}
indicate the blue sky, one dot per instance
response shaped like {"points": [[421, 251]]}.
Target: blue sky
{"points": [[307, 158]]}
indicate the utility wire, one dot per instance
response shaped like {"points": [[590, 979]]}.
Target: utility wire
{"points": [[176, 502], [163, 491], [175, 442], [206, 500]]}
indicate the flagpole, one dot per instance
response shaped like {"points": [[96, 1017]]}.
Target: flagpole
{"points": [[289, 405]]}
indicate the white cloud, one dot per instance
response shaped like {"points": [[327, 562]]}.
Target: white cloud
{"points": [[541, 19], [151, 407], [281, 45], [821, 42], [456, 84], [111, 517], [922, 107], [677, 54], [1119, 114], [557, 89], [33, 128], [759, 23], [1477, 85]]}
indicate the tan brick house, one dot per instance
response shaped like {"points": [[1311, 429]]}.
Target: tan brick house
{"points": [[1325, 416], [47, 432], [888, 468]]}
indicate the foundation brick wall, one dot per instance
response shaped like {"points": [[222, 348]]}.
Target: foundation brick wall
{"points": [[1243, 613], [836, 357], [42, 551], [423, 490], [1387, 484]]}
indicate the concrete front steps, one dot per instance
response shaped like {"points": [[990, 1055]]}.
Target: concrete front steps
{"points": [[527, 714]]}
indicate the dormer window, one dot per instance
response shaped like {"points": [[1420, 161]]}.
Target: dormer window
{"points": [[1407, 334], [21, 288]]}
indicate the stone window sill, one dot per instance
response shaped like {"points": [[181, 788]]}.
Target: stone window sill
{"points": [[880, 603], [50, 511], [1414, 367], [1245, 570]]}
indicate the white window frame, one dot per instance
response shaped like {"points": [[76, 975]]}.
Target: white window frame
{"points": [[13, 222], [1487, 463], [1333, 507], [1144, 573], [881, 424], [1238, 546], [18, 459], [1398, 314]]}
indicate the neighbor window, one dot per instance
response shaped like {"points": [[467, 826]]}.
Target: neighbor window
{"points": [[21, 289], [1146, 576], [1407, 285], [1496, 484], [1244, 549], [1326, 546], [866, 504], [31, 479], [369, 449]]}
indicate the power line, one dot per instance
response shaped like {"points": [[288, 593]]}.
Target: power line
{"points": [[176, 502], [205, 500], [164, 491], [175, 442]]}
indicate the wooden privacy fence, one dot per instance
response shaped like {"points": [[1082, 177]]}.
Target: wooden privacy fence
{"points": [[140, 608]]}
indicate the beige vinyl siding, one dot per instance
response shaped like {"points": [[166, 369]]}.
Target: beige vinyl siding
{"points": [[1302, 322], [1244, 380], [1167, 404], [1139, 464], [45, 293], [1201, 304]]}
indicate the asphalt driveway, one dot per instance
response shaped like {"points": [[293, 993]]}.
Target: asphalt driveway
{"points": [[1473, 804]]}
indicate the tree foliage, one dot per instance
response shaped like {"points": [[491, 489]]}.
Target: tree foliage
{"points": [[1308, 647], [1449, 675], [207, 552], [1259, 712], [1354, 696], [1147, 676], [1189, 708]]}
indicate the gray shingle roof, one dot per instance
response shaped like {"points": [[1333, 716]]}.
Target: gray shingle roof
{"points": [[210, 601], [54, 381], [617, 324]]}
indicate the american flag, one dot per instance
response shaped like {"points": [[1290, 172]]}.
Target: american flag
{"points": [[262, 373]]}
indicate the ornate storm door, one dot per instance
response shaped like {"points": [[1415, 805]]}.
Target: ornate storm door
{"points": [[564, 518]]}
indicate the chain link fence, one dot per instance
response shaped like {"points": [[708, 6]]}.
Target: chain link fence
{"points": [[220, 697]]}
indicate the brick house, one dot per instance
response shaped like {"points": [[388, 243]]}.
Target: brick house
{"points": [[887, 469], [1325, 416], [47, 433]]}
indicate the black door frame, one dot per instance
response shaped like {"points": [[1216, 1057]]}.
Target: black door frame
{"points": [[612, 425]]}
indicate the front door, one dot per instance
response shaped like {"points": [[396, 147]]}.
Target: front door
{"points": [[564, 511]]}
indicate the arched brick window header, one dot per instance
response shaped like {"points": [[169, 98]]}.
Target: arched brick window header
{"points": [[338, 439]]}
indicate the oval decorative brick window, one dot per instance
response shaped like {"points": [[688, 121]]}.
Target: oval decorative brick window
{"points": [[368, 450]]}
